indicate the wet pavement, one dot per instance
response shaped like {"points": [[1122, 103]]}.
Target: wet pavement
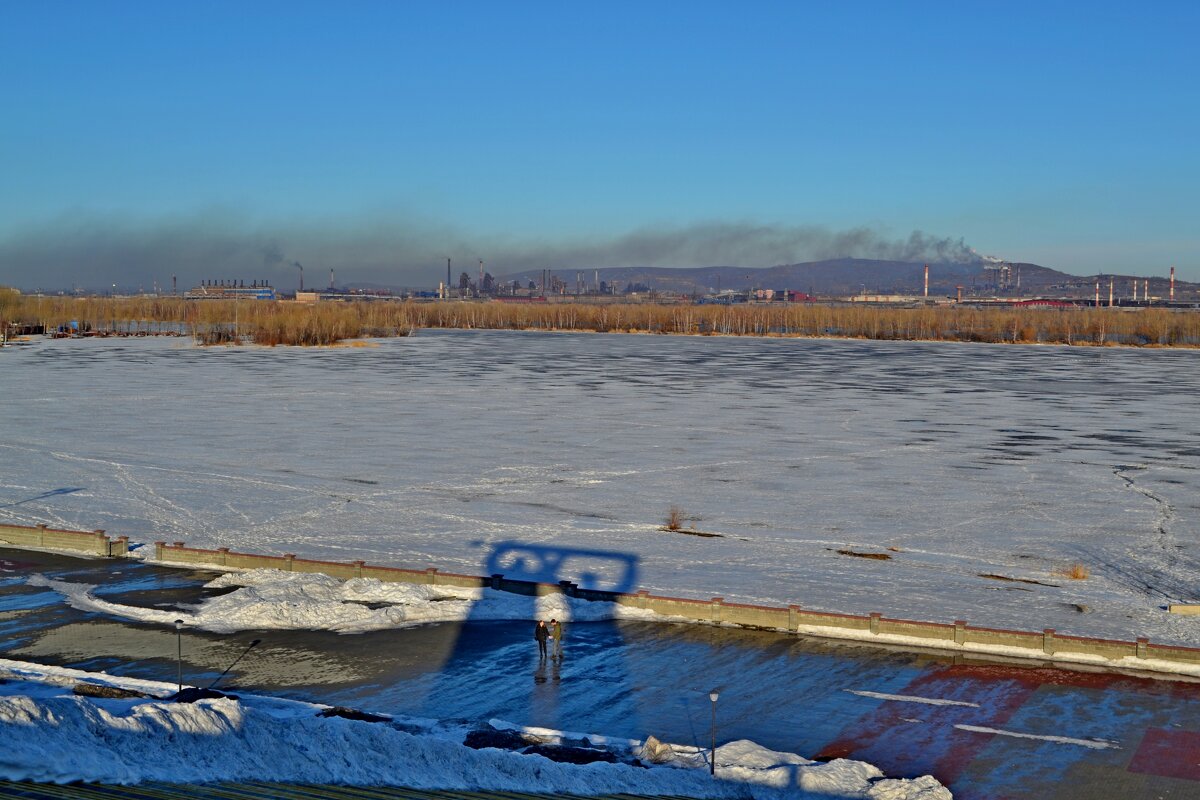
{"points": [[988, 730]]}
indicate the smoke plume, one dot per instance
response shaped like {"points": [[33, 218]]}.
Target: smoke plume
{"points": [[94, 252]]}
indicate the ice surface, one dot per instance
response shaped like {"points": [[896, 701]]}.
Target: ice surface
{"points": [[48, 734], [446, 448]]}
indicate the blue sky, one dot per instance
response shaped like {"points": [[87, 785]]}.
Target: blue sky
{"points": [[1059, 133]]}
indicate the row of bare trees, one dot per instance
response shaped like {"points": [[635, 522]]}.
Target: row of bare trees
{"points": [[1147, 327], [272, 323]]}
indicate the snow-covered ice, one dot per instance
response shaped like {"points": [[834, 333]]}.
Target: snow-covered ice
{"points": [[435, 450], [49, 734]]}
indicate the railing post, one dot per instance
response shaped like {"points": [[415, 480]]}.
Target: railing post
{"points": [[158, 550], [41, 534], [875, 616], [716, 608], [358, 565], [793, 618], [224, 551], [960, 631], [289, 561], [431, 576], [1143, 645], [1048, 641]]}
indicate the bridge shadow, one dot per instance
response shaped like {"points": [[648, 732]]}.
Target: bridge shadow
{"points": [[495, 654]]}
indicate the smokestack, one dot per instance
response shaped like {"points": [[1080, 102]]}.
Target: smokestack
{"points": [[447, 279], [173, 290], [481, 274], [597, 281], [331, 279], [927, 280], [1097, 292], [1146, 291], [1172, 284], [1110, 292], [959, 290]]}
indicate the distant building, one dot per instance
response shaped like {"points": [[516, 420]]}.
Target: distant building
{"points": [[230, 290]]}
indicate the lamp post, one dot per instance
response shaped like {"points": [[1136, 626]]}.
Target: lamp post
{"points": [[712, 759], [179, 650]]}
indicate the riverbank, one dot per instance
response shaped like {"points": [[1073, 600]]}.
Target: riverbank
{"points": [[276, 322]]}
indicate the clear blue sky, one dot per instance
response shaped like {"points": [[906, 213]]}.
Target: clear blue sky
{"points": [[1060, 133]]}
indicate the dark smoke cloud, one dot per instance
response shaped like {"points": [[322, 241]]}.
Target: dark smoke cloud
{"points": [[94, 252]]}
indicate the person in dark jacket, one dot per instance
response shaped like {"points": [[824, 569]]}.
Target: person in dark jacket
{"points": [[541, 633]]}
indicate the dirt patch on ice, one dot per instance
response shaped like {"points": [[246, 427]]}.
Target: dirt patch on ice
{"points": [[993, 577], [691, 532], [860, 554]]}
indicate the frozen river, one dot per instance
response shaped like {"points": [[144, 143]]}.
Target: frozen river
{"points": [[436, 450]]}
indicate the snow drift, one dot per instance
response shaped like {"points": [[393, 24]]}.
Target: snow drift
{"points": [[48, 734]]}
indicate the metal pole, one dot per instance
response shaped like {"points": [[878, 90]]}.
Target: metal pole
{"points": [[712, 758], [179, 650]]}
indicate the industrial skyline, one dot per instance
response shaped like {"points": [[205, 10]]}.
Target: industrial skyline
{"points": [[144, 138]]}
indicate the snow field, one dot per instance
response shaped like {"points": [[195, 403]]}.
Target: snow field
{"points": [[48, 734]]}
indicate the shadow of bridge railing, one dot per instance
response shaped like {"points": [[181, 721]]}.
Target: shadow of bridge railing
{"points": [[495, 657]]}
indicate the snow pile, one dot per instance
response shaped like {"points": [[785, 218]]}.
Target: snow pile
{"points": [[48, 734], [270, 599]]}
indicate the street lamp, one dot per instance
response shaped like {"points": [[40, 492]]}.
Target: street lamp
{"points": [[712, 759], [179, 650]]}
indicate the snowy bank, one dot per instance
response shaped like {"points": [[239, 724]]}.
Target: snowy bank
{"points": [[49, 734], [267, 599]]}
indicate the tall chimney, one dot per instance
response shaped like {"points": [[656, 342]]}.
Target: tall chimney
{"points": [[1097, 292], [481, 274], [331, 279], [1146, 290], [447, 279], [1110, 292], [927, 280], [1172, 284]]}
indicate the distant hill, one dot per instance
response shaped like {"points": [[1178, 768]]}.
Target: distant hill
{"points": [[845, 276]]}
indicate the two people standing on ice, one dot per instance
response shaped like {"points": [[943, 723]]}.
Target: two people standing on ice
{"points": [[544, 632]]}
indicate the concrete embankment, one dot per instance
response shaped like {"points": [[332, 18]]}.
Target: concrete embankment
{"points": [[1045, 645]]}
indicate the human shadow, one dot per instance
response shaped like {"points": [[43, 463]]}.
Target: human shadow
{"points": [[45, 495]]}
